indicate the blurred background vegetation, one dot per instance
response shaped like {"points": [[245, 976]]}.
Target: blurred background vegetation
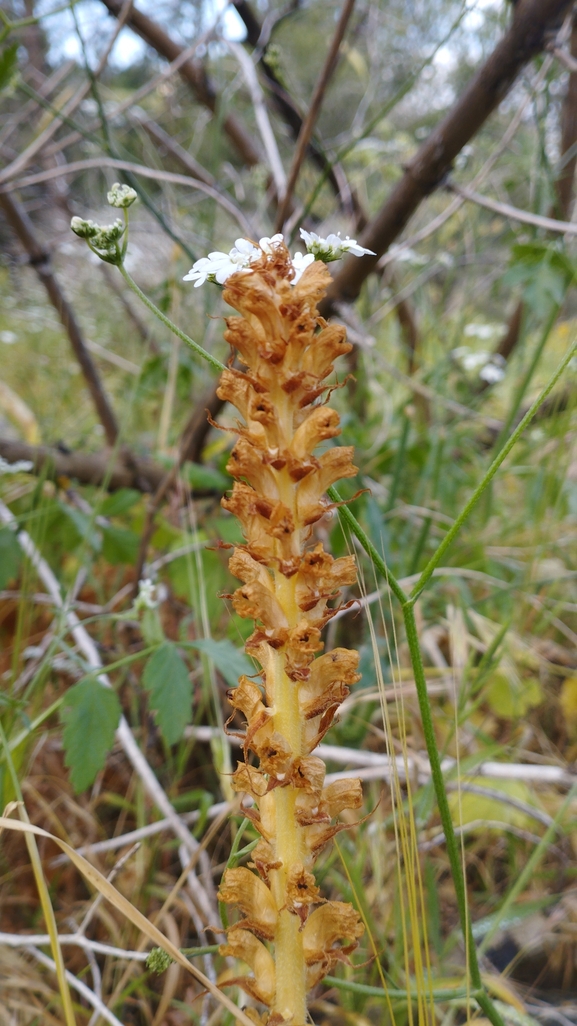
{"points": [[457, 329]]}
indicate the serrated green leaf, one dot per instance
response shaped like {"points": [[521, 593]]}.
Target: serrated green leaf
{"points": [[8, 64], [90, 713], [167, 681], [10, 556], [229, 661]]}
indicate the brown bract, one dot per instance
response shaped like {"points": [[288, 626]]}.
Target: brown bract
{"points": [[288, 935]]}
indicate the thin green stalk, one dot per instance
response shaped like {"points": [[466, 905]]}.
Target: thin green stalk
{"points": [[440, 993], [426, 526], [526, 380], [352, 523], [43, 892], [399, 462], [168, 323], [501, 456], [441, 795]]}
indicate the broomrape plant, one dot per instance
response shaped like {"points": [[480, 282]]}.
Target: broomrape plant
{"points": [[288, 582], [289, 935]]}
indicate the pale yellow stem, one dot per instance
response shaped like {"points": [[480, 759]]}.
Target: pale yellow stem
{"points": [[290, 996]]}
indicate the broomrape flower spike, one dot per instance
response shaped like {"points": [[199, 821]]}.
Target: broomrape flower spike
{"points": [[218, 266], [288, 935]]}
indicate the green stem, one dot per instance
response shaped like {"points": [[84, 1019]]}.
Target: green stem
{"points": [[439, 785], [524, 384], [352, 523], [501, 456], [399, 463], [168, 323], [440, 993]]}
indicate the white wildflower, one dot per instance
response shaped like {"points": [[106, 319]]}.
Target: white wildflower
{"points": [[268, 245], [19, 467], [333, 247], [300, 263], [492, 373], [482, 331], [218, 266], [473, 361], [490, 366], [147, 597]]}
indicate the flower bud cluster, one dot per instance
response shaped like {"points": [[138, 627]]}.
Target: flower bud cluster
{"points": [[102, 239], [122, 196], [287, 933]]}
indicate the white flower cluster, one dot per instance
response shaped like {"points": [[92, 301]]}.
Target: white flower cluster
{"points": [[333, 247], [218, 266], [490, 366], [147, 597], [19, 467]]}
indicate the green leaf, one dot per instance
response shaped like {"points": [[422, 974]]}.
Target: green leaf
{"points": [[166, 679], [229, 661], [119, 545], [206, 478], [119, 502], [91, 713], [10, 556], [84, 525], [8, 65], [543, 270]]}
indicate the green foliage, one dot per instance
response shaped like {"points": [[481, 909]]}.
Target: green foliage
{"points": [[543, 270], [10, 556], [120, 545], [90, 714], [229, 661], [8, 65], [167, 681], [119, 502]]}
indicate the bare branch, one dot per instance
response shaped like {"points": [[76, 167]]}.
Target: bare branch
{"points": [[550, 224], [137, 169], [314, 110], [39, 143], [258, 37], [193, 74], [92, 468], [566, 59], [261, 116], [134, 97], [39, 259], [568, 161], [533, 21], [172, 147]]}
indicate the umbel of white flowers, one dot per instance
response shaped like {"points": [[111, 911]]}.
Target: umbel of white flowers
{"points": [[104, 239], [218, 266]]}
